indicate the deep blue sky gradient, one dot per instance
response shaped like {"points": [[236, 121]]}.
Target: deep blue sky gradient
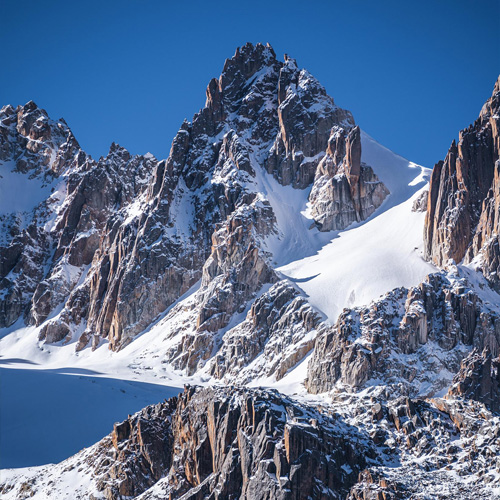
{"points": [[412, 73]]}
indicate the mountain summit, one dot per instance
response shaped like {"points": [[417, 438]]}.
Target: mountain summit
{"points": [[278, 248]]}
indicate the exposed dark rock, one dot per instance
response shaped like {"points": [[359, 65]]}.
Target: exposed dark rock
{"points": [[251, 444], [306, 116], [479, 379], [227, 443]]}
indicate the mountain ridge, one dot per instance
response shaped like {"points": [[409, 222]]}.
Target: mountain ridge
{"points": [[278, 246]]}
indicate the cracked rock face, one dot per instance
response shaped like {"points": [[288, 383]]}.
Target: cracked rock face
{"points": [[124, 237], [391, 339], [479, 379], [224, 443], [344, 190], [34, 146], [464, 196], [278, 332], [255, 444]]}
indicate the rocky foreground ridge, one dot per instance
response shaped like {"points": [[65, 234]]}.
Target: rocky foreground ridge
{"points": [[399, 398], [228, 442]]}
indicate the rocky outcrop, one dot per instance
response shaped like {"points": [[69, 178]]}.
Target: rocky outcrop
{"points": [[254, 444], [420, 203], [344, 190], [93, 195], [232, 275], [137, 453], [278, 333], [462, 211], [437, 443], [479, 379], [37, 145], [42, 150], [222, 443], [486, 242], [236, 268], [387, 340], [306, 116]]}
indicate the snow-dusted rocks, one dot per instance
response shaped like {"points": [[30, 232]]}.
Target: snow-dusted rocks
{"points": [[129, 235], [277, 333], [414, 339], [479, 378], [344, 190], [229, 442], [435, 448], [37, 145], [306, 117], [34, 154], [213, 443], [84, 246]]}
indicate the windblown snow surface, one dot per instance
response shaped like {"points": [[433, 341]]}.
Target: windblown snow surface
{"points": [[335, 270], [20, 193], [377, 255]]}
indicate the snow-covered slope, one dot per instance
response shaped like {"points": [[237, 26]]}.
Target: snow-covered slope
{"points": [[373, 256], [278, 246], [19, 193]]}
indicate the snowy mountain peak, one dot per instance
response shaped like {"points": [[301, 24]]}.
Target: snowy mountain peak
{"points": [[277, 245], [212, 210], [33, 143]]}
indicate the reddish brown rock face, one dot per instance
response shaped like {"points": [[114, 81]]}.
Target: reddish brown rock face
{"points": [[253, 444], [344, 190], [239, 443], [464, 193]]}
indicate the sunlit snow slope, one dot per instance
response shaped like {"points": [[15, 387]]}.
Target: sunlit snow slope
{"points": [[336, 270], [377, 255]]}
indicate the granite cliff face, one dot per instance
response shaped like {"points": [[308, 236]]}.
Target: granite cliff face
{"points": [[345, 190], [253, 444], [129, 235], [41, 149], [221, 443], [464, 193], [391, 400], [277, 333]]}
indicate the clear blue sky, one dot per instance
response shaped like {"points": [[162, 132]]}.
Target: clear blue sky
{"points": [[412, 73]]}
